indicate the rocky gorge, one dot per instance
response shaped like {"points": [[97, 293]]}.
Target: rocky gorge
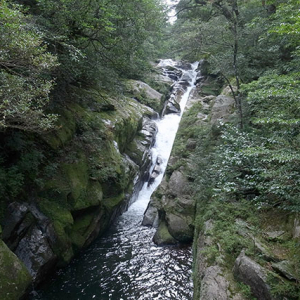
{"points": [[238, 253], [104, 160]]}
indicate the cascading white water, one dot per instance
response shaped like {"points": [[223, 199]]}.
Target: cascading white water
{"points": [[125, 263], [167, 128]]}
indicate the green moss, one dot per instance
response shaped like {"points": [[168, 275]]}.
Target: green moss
{"points": [[77, 239], [83, 227], [94, 194], [83, 222], [211, 86], [135, 151], [111, 203], [62, 224], [65, 130], [56, 212], [77, 177], [282, 288], [163, 236], [63, 246], [15, 278]]}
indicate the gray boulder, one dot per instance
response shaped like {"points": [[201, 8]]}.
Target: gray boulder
{"points": [[223, 107], [150, 216], [177, 183], [30, 235], [36, 253], [150, 93], [162, 236], [172, 107], [180, 227], [286, 268], [252, 274]]}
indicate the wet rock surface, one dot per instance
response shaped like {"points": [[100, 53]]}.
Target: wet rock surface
{"points": [[29, 234], [156, 170], [151, 216]]}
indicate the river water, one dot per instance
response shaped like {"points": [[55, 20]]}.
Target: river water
{"points": [[125, 263]]}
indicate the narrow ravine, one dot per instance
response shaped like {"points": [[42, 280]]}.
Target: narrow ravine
{"points": [[125, 263]]}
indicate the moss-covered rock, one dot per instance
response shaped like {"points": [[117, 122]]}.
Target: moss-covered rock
{"points": [[163, 236], [89, 168], [15, 278], [145, 94], [64, 131]]}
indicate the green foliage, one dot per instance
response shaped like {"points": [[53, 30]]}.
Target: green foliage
{"points": [[245, 290], [262, 163], [286, 21], [98, 41], [22, 169], [24, 73], [283, 288]]}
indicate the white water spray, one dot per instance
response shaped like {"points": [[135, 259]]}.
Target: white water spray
{"points": [[167, 128]]}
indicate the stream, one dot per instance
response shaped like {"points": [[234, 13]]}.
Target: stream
{"points": [[125, 263]]}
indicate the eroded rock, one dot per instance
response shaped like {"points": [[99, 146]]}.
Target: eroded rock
{"points": [[172, 107], [286, 268], [36, 253], [27, 234], [142, 91], [150, 216], [156, 171], [177, 183], [296, 229], [180, 227]]}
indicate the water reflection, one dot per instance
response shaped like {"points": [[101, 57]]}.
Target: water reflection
{"points": [[125, 264]]}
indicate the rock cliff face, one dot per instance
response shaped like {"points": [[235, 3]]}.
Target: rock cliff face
{"points": [[173, 203], [97, 159], [238, 253]]}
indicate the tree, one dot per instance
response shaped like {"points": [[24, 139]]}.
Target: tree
{"points": [[233, 35], [24, 73], [99, 41]]}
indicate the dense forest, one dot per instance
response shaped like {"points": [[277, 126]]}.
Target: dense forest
{"points": [[61, 58], [254, 46]]}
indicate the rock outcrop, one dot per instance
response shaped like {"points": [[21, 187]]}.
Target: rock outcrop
{"points": [[214, 285], [98, 159], [211, 282], [252, 274], [15, 278]]}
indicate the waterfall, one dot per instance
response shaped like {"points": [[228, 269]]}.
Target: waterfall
{"points": [[167, 128], [125, 263]]}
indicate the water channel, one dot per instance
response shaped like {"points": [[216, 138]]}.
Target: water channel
{"points": [[125, 263]]}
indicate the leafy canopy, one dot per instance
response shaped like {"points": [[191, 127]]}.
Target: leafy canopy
{"points": [[25, 67]]}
